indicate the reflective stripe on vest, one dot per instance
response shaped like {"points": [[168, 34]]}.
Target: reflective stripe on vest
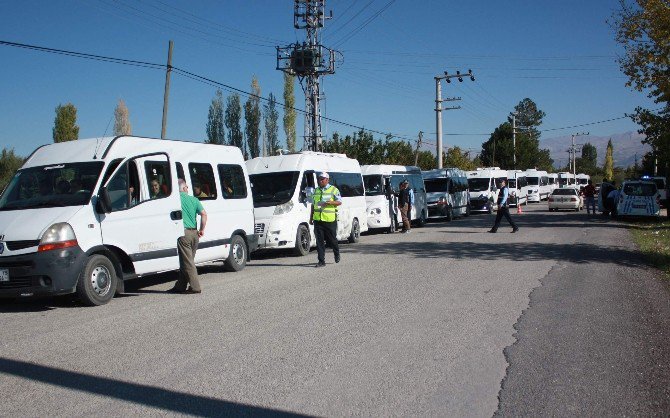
{"points": [[326, 213]]}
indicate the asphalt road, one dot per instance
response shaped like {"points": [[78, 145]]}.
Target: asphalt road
{"points": [[563, 318]]}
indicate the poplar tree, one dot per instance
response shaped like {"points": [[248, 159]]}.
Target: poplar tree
{"points": [[271, 119], [9, 164], [233, 116], [252, 117], [289, 112], [65, 125], [121, 121], [215, 121], [608, 167]]}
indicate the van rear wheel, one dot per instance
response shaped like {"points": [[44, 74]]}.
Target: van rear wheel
{"points": [[302, 241], [237, 258], [355, 234], [97, 281]]}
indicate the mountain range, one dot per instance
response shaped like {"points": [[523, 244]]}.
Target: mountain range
{"points": [[626, 147]]}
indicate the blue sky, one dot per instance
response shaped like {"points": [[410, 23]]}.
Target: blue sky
{"points": [[561, 54]]}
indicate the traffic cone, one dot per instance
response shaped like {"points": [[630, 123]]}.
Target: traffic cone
{"points": [[518, 208]]}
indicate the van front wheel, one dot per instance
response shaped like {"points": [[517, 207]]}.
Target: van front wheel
{"points": [[355, 234], [237, 258], [422, 219], [97, 281], [302, 241]]}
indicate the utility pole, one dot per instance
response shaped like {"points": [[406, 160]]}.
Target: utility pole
{"points": [[573, 150], [439, 109], [167, 90], [418, 144], [514, 139], [309, 61]]}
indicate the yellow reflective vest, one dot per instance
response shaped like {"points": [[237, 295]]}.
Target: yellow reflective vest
{"points": [[326, 213]]}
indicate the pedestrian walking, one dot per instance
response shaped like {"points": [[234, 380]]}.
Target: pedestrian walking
{"points": [[187, 244], [590, 197], [405, 206], [503, 208], [323, 216]]}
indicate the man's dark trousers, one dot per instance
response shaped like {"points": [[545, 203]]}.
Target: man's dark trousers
{"points": [[503, 211], [326, 231]]}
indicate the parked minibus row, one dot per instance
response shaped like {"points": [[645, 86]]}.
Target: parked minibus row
{"points": [[84, 216]]}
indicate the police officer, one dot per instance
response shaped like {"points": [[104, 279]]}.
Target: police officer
{"points": [[503, 208], [326, 199]]}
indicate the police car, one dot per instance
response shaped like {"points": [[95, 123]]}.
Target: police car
{"points": [[638, 198]]}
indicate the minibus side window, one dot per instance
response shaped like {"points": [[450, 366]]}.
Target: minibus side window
{"points": [[233, 183], [349, 184], [203, 185], [158, 178]]}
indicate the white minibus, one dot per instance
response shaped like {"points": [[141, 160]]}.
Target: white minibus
{"points": [[518, 187], [483, 186], [83, 216], [382, 183], [282, 187], [582, 180], [539, 189], [566, 179], [447, 193], [553, 181]]}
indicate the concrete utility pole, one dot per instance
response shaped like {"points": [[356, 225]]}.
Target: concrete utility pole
{"points": [[167, 90], [308, 63], [418, 144], [514, 139], [573, 150], [439, 109]]}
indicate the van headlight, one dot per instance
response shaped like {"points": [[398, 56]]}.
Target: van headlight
{"points": [[284, 208], [58, 236]]}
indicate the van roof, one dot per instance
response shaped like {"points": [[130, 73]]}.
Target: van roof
{"points": [[388, 169], [301, 161]]}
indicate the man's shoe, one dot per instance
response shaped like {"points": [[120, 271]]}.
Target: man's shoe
{"points": [[515, 230], [191, 292], [493, 231], [175, 290], [337, 258], [320, 265]]}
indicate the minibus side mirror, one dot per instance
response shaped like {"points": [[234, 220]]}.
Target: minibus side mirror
{"points": [[308, 192], [104, 204]]}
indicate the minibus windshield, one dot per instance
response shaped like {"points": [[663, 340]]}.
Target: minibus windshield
{"points": [[374, 185], [511, 183], [271, 189], [56, 185], [436, 185], [479, 185], [534, 181]]}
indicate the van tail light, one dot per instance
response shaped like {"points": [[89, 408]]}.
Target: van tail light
{"points": [[551, 199], [573, 199]]}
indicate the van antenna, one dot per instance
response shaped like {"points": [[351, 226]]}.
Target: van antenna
{"points": [[99, 140]]}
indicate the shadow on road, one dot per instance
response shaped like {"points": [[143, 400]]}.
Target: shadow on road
{"points": [[150, 396]]}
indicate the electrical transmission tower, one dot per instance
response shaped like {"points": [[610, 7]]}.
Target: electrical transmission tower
{"points": [[309, 61]]}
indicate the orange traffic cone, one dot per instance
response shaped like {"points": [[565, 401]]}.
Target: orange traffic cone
{"points": [[518, 208]]}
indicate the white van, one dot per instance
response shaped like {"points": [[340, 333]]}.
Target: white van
{"points": [[83, 216], [282, 187], [447, 193], [582, 180], [538, 180], [382, 183], [552, 180], [518, 187], [566, 179], [483, 186]]}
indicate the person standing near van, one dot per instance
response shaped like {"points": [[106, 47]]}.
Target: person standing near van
{"points": [[326, 199], [187, 245], [590, 197], [503, 208], [405, 205]]}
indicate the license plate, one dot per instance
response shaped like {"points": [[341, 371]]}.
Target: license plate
{"points": [[4, 275], [639, 206]]}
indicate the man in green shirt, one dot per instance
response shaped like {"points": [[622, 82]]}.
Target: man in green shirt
{"points": [[188, 244]]}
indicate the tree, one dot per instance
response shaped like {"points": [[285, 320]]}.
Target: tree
{"points": [[289, 112], [457, 158], [608, 167], [588, 162], [233, 115], [65, 125], [271, 118], [121, 121], [9, 164], [215, 122], [252, 117], [643, 29]]}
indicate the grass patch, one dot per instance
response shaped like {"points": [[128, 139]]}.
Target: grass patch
{"points": [[653, 239]]}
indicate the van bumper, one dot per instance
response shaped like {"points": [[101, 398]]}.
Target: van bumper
{"points": [[52, 272]]}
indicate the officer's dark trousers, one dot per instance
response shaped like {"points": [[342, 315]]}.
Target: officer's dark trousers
{"points": [[503, 211], [326, 232]]}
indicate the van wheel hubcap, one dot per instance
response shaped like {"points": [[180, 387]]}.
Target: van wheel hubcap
{"points": [[238, 253], [101, 280]]}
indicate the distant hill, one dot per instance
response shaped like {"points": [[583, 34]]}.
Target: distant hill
{"points": [[626, 145]]}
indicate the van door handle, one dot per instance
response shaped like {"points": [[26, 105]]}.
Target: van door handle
{"points": [[175, 215]]}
